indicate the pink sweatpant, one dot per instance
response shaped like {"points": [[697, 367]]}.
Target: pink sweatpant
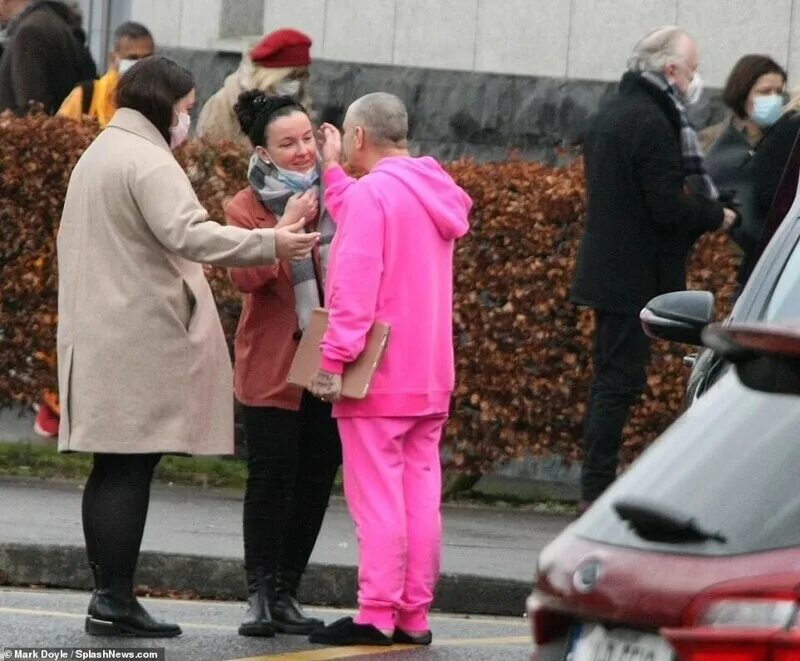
{"points": [[393, 484]]}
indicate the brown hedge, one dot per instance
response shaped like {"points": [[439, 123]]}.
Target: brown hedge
{"points": [[522, 350]]}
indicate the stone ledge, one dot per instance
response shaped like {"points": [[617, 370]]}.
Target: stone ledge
{"points": [[223, 578], [453, 113]]}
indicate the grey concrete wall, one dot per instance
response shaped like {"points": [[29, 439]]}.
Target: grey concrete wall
{"points": [[572, 39], [452, 113], [479, 76]]}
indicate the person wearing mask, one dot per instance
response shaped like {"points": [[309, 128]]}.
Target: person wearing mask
{"points": [[293, 449], [277, 65], [774, 179], [392, 261], [143, 364], [44, 56], [649, 197], [97, 98], [754, 94]]}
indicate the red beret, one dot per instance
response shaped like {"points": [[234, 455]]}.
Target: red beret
{"points": [[282, 48]]}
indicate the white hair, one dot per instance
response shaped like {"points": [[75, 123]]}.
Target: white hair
{"points": [[658, 48], [383, 117]]}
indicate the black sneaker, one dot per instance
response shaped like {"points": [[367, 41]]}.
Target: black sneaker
{"points": [[347, 632]]}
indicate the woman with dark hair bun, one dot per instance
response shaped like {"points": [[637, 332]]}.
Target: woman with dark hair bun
{"points": [[143, 364], [292, 441]]}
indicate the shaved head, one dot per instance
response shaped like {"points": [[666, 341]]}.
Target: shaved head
{"points": [[383, 118]]}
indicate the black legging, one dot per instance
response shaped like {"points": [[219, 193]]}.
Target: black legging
{"points": [[115, 502], [292, 461]]}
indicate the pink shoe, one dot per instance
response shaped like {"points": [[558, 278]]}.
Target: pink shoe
{"points": [[47, 421]]}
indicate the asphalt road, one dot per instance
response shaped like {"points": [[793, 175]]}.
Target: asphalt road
{"points": [[481, 541], [54, 619]]}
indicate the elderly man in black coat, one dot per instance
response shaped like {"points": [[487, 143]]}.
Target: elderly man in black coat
{"points": [[649, 199], [44, 56]]}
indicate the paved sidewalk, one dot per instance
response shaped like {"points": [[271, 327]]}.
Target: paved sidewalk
{"points": [[193, 541]]}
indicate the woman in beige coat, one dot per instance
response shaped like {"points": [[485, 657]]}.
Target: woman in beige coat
{"points": [[143, 365]]}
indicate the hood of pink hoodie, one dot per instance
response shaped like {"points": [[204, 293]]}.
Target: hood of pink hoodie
{"points": [[447, 204]]}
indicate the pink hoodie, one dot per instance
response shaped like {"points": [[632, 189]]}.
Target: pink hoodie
{"points": [[392, 261]]}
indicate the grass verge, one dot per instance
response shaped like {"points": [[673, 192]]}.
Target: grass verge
{"points": [[43, 461]]}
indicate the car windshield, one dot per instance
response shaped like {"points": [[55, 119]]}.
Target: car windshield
{"points": [[729, 464], [784, 303]]}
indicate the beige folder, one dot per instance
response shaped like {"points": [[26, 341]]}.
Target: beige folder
{"points": [[357, 375]]}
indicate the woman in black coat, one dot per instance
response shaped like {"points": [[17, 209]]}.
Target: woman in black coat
{"points": [[736, 161], [775, 167]]}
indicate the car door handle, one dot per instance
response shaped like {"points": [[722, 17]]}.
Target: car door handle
{"points": [[690, 360]]}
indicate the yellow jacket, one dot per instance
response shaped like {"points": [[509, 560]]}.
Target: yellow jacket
{"points": [[103, 104]]}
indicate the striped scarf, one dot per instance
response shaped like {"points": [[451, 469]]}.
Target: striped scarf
{"points": [[308, 284], [694, 166]]}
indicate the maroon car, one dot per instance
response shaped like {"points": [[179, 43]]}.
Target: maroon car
{"points": [[694, 553], [696, 549]]}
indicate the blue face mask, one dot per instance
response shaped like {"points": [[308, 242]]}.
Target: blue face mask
{"points": [[299, 182], [767, 109]]}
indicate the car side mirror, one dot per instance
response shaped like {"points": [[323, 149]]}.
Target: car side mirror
{"points": [[766, 357], [678, 316]]}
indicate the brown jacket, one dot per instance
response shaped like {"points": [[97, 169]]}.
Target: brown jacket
{"points": [[143, 364], [267, 335]]}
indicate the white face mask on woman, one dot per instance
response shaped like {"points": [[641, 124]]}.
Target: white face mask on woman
{"points": [[288, 88], [180, 131]]}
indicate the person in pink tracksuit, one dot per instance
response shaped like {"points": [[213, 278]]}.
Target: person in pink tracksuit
{"points": [[391, 261]]}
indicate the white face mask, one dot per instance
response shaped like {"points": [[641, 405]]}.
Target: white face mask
{"points": [[125, 65], [695, 90], [288, 88], [180, 131]]}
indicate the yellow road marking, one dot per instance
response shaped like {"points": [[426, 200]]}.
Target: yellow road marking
{"points": [[308, 655], [30, 611], [329, 653], [486, 619], [81, 616], [484, 642], [347, 652]]}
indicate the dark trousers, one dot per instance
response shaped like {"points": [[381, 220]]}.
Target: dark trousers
{"points": [[621, 353], [115, 503], [293, 457]]}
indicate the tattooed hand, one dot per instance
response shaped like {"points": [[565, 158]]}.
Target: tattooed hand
{"points": [[326, 386]]}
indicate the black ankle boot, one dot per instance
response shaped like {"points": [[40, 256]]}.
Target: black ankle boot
{"points": [[115, 611], [96, 578], [287, 613], [258, 621]]}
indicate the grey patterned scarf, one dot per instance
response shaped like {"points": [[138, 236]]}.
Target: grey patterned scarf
{"points": [[308, 284], [694, 166]]}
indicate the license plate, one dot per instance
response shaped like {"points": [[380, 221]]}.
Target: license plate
{"points": [[596, 643]]}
